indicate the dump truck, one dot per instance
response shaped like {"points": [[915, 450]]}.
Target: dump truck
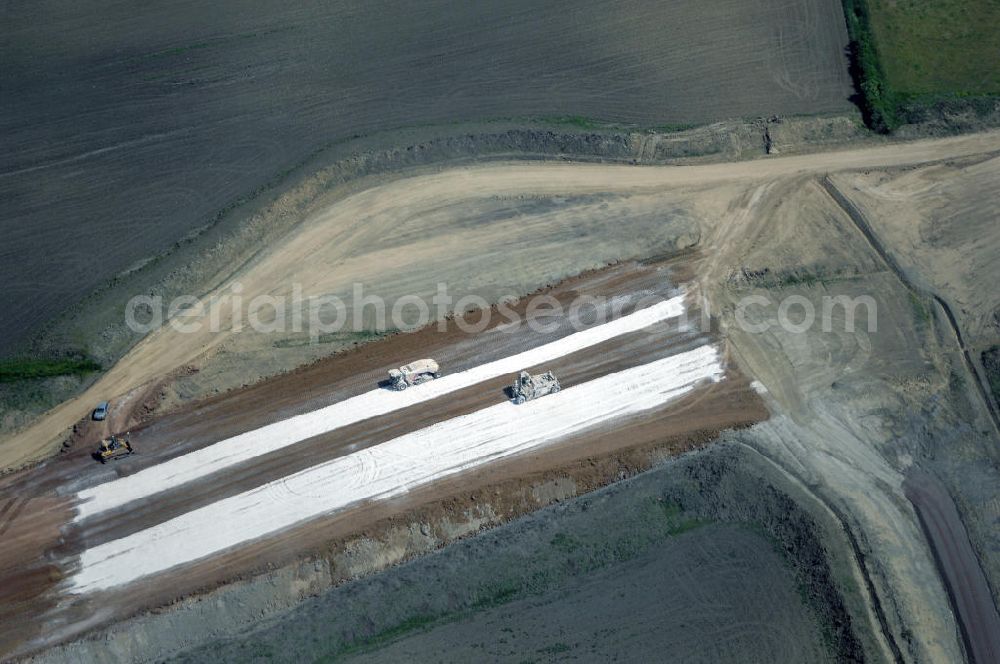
{"points": [[413, 373], [114, 448], [528, 387]]}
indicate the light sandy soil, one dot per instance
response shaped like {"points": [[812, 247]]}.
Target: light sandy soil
{"points": [[859, 410], [850, 407], [940, 221], [937, 224], [419, 227]]}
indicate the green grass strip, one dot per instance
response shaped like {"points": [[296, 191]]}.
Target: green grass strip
{"points": [[24, 369]]}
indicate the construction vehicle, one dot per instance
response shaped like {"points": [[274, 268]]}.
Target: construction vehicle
{"points": [[114, 448], [528, 387], [414, 373]]}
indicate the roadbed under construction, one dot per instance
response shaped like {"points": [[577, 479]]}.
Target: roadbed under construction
{"points": [[44, 539]]}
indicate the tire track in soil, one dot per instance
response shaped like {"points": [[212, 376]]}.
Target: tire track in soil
{"points": [[11, 510], [862, 225], [588, 459], [968, 589], [961, 572]]}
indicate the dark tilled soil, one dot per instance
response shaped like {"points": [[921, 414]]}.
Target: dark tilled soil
{"points": [[123, 129], [718, 594]]}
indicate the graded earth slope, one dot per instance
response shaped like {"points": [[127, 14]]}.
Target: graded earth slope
{"points": [[313, 471], [421, 226], [876, 390], [123, 131]]}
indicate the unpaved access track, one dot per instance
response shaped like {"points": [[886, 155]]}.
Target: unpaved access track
{"points": [[345, 242], [832, 396], [68, 566], [141, 126], [966, 583]]}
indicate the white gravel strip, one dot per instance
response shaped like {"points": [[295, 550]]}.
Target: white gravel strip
{"points": [[231, 451], [392, 468]]}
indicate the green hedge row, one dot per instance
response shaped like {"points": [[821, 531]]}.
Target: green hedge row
{"points": [[879, 105], [14, 370]]}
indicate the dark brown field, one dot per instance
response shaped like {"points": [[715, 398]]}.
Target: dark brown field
{"points": [[122, 129]]}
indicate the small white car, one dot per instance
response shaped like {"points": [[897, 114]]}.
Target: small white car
{"points": [[101, 411]]}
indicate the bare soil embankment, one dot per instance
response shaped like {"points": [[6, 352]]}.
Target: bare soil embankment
{"points": [[764, 547], [882, 397], [850, 403], [124, 131], [591, 457], [659, 209]]}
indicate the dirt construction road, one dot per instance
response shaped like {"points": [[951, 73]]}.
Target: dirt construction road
{"points": [[346, 242], [143, 125], [646, 373], [829, 393], [966, 584]]}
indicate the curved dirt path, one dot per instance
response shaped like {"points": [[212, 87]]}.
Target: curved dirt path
{"points": [[346, 243], [967, 586]]}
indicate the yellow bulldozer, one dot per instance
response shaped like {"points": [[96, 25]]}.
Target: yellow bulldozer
{"points": [[114, 448]]}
